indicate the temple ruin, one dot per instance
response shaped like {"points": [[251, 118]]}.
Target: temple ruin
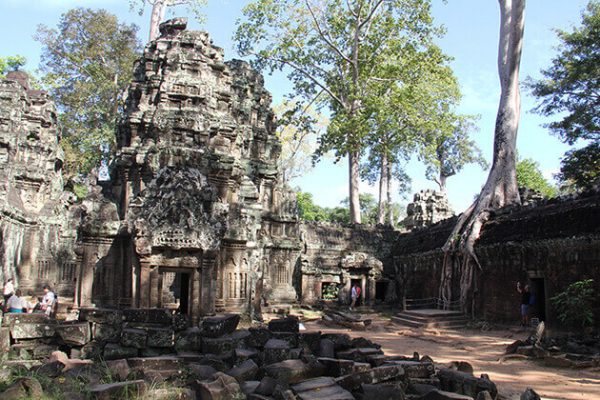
{"points": [[195, 218]]}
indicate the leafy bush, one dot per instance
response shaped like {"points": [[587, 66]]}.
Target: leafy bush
{"points": [[574, 304]]}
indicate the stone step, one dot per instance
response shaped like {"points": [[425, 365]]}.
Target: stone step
{"points": [[431, 319]]}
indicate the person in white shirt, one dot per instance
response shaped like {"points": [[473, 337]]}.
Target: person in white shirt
{"points": [[16, 304], [9, 289], [48, 300]]}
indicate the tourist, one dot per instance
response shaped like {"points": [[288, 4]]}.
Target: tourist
{"points": [[48, 301], [355, 295], [16, 304], [525, 299], [9, 289], [33, 302]]}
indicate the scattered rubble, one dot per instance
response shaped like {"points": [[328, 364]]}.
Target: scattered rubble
{"points": [[216, 360]]}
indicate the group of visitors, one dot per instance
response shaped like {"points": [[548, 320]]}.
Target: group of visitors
{"points": [[527, 300], [15, 302]]}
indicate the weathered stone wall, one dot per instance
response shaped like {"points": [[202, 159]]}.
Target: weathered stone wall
{"points": [[36, 237], [547, 246]]}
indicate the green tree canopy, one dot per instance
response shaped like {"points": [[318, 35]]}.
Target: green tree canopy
{"points": [[570, 89], [11, 63], [88, 61], [530, 176], [334, 51]]}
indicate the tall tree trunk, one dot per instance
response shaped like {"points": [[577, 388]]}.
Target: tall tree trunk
{"points": [[389, 194], [383, 185], [500, 188], [158, 14], [442, 182], [353, 180]]}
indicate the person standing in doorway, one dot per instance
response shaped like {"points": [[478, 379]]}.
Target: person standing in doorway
{"points": [[354, 295], [525, 299], [48, 301]]}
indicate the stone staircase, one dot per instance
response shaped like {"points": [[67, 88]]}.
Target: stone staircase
{"points": [[431, 318]]}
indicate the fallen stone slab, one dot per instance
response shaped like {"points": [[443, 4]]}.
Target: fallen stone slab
{"points": [[148, 315], [106, 332], [77, 333], [246, 371], [380, 392], [326, 348], [171, 393], [242, 355], [259, 336], [275, 351], [289, 324], [118, 369], [201, 372], [341, 341], [227, 343], [222, 387], [4, 340], [336, 367], [310, 340], [249, 386], [8, 319], [160, 337], [190, 339], [415, 369], [155, 363], [464, 383], [23, 388], [294, 371], [113, 351], [321, 388], [25, 330], [558, 362], [118, 390], [443, 395], [101, 316], [266, 387], [374, 375], [214, 327]]}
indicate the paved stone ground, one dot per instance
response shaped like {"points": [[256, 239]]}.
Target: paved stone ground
{"points": [[482, 350]]}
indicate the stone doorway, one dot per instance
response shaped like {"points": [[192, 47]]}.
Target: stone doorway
{"points": [[174, 286], [538, 294], [361, 299], [381, 289]]}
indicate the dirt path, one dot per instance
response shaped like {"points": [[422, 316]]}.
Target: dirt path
{"points": [[482, 350]]}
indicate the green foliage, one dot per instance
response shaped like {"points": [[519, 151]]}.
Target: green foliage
{"points": [[330, 291], [570, 89], [448, 148], [11, 63], [308, 210], [530, 176], [342, 55], [88, 62], [575, 304], [581, 167]]}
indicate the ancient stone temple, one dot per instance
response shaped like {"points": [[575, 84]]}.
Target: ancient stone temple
{"points": [[195, 214], [34, 227], [428, 207]]}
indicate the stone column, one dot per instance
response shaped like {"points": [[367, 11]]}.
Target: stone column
{"points": [[363, 287], [208, 281], [154, 293], [372, 283], [144, 293]]}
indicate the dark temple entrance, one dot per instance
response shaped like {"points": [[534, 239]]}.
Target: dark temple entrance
{"points": [[538, 294], [175, 290]]}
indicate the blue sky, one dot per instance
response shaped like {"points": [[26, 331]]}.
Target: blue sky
{"points": [[472, 39]]}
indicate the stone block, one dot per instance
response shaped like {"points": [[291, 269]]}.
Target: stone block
{"points": [[119, 369], [341, 341], [326, 348], [201, 372], [118, 390], [266, 387], [171, 393], [380, 392], [77, 334], [222, 387], [443, 395], [101, 316], [242, 355], [190, 339], [106, 332], [43, 351], [113, 351], [246, 371], [134, 338], [161, 363], [23, 388], [225, 344], [92, 350], [160, 337], [321, 388], [217, 326], [180, 322], [22, 330], [374, 375], [275, 351], [310, 340], [249, 387], [294, 371], [289, 324], [259, 337], [155, 351], [4, 340], [23, 318], [464, 383], [148, 315], [336, 367], [415, 369]]}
